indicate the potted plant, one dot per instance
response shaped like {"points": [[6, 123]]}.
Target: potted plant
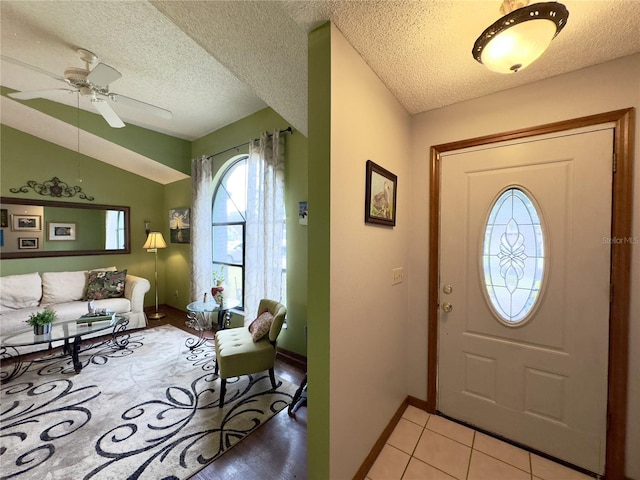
{"points": [[218, 275], [41, 321]]}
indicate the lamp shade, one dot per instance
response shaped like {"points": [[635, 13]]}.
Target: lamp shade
{"points": [[154, 240], [520, 37]]}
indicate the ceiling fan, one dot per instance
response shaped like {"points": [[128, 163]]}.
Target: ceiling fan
{"points": [[90, 83]]}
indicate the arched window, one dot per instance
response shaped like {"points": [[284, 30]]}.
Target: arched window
{"points": [[228, 229], [229, 232]]}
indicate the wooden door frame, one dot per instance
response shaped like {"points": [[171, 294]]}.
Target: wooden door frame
{"points": [[622, 208]]}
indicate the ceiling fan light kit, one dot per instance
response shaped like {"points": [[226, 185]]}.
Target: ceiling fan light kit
{"points": [[75, 75], [521, 36], [93, 83]]}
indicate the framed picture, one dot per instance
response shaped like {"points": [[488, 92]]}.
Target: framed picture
{"points": [[380, 195], [62, 231], [303, 213], [30, 223], [28, 243], [179, 225], [4, 218]]}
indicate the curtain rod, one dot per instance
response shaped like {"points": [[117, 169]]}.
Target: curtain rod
{"points": [[286, 130]]}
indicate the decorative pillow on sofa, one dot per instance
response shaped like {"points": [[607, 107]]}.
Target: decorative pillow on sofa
{"points": [[61, 287], [20, 291], [104, 284], [261, 325]]}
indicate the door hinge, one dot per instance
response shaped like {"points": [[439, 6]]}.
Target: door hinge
{"points": [[615, 163]]}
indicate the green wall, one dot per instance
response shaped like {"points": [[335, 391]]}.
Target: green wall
{"points": [[25, 157], [91, 223], [177, 256], [318, 358]]}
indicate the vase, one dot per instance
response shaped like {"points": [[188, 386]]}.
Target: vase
{"points": [[42, 329], [218, 292]]}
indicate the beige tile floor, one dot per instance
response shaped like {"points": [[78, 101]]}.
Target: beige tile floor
{"points": [[429, 447]]}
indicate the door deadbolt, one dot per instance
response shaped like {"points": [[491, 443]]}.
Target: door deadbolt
{"points": [[447, 289], [447, 307]]}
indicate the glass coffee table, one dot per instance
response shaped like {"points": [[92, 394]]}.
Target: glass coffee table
{"points": [[71, 332]]}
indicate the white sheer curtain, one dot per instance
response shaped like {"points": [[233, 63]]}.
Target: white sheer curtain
{"points": [[264, 221], [201, 242]]}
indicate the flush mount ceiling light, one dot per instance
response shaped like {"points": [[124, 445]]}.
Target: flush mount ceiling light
{"points": [[521, 36]]}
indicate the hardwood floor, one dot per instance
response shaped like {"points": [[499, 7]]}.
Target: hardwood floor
{"points": [[276, 450]]}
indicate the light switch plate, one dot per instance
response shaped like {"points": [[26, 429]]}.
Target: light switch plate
{"points": [[397, 276]]}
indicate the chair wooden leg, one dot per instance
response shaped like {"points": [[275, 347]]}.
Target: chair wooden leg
{"points": [[223, 390], [215, 371], [272, 377]]}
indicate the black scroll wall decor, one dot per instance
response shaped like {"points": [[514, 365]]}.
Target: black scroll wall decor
{"points": [[53, 188]]}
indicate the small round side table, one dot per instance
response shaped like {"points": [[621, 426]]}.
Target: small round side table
{"points": [[198, 315]]}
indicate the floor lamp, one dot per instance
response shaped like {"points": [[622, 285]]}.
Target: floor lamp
{"points": [[153, 243]]}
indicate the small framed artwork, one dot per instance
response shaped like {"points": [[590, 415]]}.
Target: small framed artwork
{"points": [[30, 223], [62, 231], [4, 218], [31, 243], [380, 195], [179, 225]]}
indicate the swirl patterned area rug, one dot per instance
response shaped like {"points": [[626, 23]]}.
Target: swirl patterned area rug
{"points": [[149, 411]]}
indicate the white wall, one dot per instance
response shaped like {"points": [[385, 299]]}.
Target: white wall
{"points": [[368, 379], [610, 86]]}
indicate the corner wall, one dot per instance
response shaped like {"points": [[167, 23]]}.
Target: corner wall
{"points": [[319, 354], [368, 316], [610, 86]]}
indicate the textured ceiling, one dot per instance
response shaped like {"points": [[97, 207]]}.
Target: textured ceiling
{"points": [[422, 49], [159, 63], [214, 62]]}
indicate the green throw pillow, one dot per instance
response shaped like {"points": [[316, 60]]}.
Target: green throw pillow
{"points": [[105, 285]]}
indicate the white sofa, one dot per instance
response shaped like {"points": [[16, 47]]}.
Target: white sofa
{"points": [[64, 292]]}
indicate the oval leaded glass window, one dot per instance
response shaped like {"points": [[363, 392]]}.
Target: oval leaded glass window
{"points": [[513, 256]]}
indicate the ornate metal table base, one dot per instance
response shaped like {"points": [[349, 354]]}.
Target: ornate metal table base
{"points": [[123, 340], [198, 320], [73, 349]]}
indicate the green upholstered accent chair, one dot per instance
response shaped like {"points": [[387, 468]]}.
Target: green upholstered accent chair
{"points": [[237, 354]]}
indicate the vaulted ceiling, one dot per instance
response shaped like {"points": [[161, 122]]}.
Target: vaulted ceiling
{"points": [[214, 62]]}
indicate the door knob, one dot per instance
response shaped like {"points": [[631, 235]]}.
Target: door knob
{"points": [[447, 307]]}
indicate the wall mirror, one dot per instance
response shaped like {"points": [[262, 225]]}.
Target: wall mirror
{"points": [[46, 228]]}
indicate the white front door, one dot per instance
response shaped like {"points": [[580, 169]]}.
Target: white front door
{"points": [[523, 350]]}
